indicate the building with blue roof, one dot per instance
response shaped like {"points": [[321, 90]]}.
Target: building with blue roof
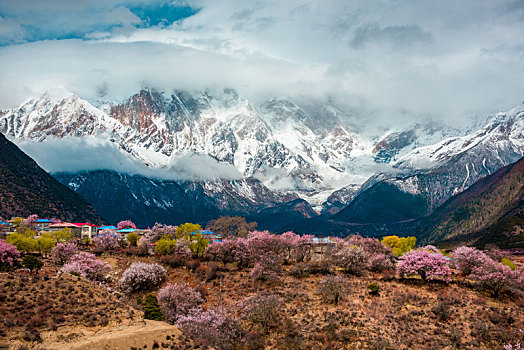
{"points": [[111, 227]]}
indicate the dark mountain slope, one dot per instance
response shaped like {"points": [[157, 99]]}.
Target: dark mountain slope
{"points": [[487, 212], [26, 189], [119, 196]]}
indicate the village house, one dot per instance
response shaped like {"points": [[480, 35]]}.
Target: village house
{"points": [[80, 229]]}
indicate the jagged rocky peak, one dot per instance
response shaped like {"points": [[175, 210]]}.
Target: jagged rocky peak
{"points": [[395, 144]]}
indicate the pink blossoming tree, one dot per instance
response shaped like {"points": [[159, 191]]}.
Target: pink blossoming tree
{"points": [[178, 300], [142, 277], [217, 328], [428, 265], [63, 251], [125, 224], [8, 254], [86, 265]]}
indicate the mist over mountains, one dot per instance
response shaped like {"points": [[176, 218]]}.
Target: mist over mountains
{"points": [[225, 154]]}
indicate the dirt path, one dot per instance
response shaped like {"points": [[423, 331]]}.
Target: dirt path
{"points": [[118, 337]]}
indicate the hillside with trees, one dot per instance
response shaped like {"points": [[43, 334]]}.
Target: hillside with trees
{"points": [[25, 188]]}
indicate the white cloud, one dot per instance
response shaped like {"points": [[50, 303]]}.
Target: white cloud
{"points": [[96, 153], [386, 59]]}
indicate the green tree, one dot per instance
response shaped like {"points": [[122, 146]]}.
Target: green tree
{"points": [[151, 307], [132, 238], [165, 245], [22, 242], [184, 230], [227, 226], [399, 245], [44, 244], [32, 263], [198, 244], [63, 235]]}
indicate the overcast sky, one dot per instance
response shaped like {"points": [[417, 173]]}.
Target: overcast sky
{"points": [[443, 59]]}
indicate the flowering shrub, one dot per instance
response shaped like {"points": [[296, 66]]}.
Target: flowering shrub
{"points": [[466, 259], [125, 224], [494, 276], [108, 240], [517, 346], [218, 329], [262, 310], [428, 265], [296, 248], [266, 270], [86, 265], [141, 276], [380, 257], [332, 289], [230, 250], [351, 258], [8, 254], [178, 300], [31, 220], [62, 252], [158, 231], [519, 278]]}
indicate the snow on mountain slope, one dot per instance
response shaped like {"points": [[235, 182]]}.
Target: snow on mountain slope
{"points": [[439, 171], [159, 129]]}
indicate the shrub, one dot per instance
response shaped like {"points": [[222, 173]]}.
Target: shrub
{"points": [[151, 308], [266, 270], [141, 276], [8, 254], [125, 224], [173, 260], [332, 289], [466, 259], [62, 252], [428, 265], [441, 311], [86, 265], [263, 310], [108, 240], [218, 329], [132, 239], [32, 263], [300, 270], [508, 263], [399, 245], [517, 346], [212, 271], [373, 288], [494, 276], [177, 300], [351, 258]]}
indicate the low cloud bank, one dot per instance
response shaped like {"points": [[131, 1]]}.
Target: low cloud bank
{"points": [[95, 153]]}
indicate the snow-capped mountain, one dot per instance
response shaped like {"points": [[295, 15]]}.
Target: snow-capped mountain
{"points": [[279, 143], [285, 150], [428, 176]]}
